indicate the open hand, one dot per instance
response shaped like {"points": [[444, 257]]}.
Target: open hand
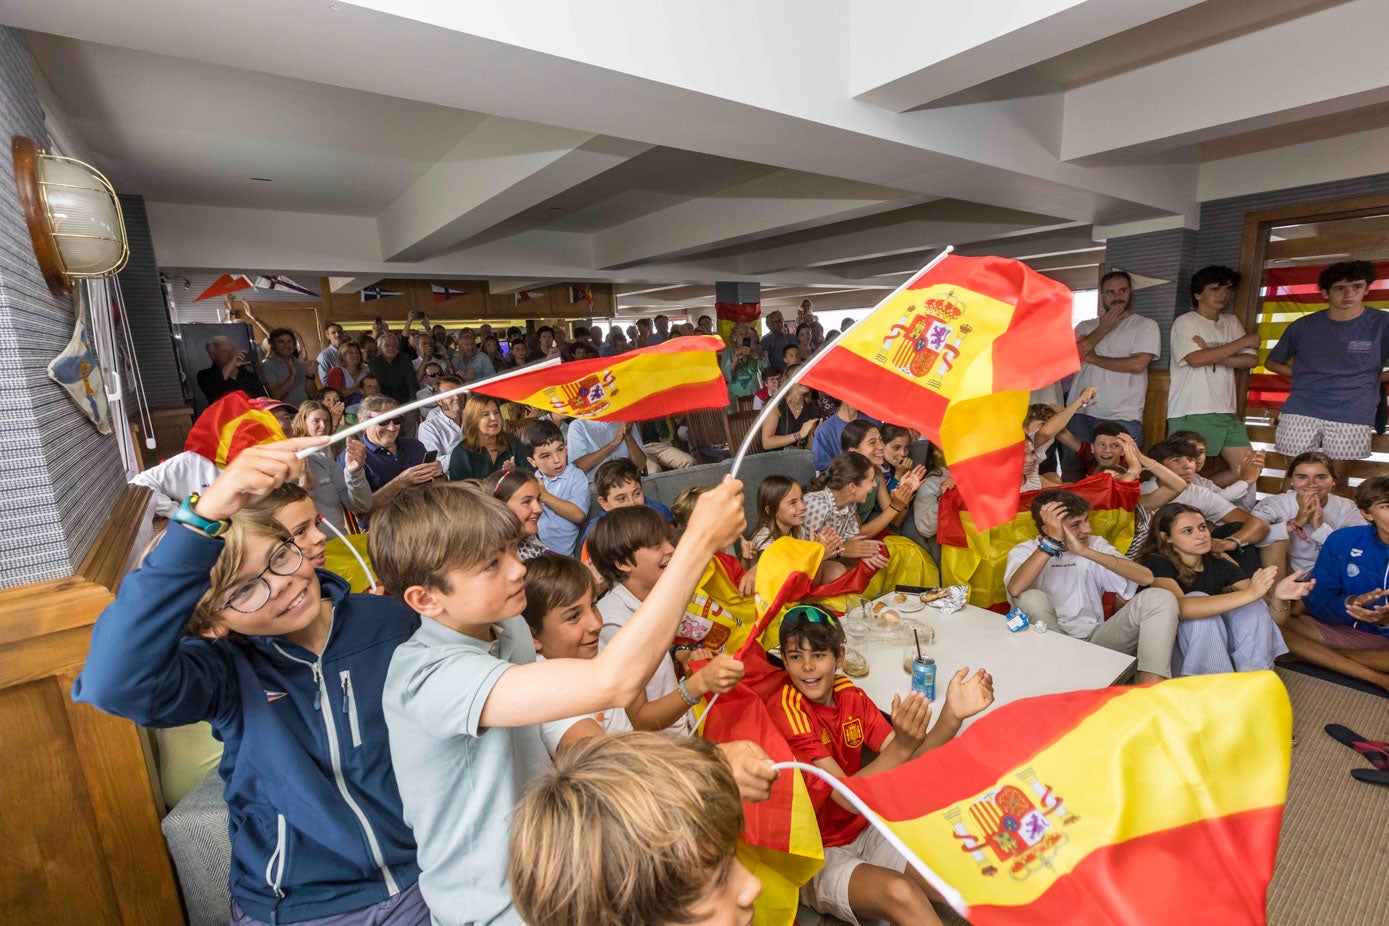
{"points": [[967, 695], [355, 456], [861, 547], [1361, 607], [910, 718], [1263, 580]]}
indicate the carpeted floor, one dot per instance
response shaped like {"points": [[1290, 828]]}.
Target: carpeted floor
{"points": [[1333, 857]]}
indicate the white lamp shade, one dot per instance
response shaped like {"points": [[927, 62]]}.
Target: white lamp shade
{"points": [[85, 216]]}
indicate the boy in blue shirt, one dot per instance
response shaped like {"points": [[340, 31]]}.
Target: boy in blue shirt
{"points": [[227, 621], [563, 486], [618, 485], [465, 698], [1348, 606]]}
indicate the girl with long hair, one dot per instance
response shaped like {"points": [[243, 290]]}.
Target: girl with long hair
{"points": [[520, 491], [1225, 624], [1305, 514], [795, 421], [339, 492]]}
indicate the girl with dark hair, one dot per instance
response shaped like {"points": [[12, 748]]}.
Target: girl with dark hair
{"points": [[1224, 625], [1304, 515], [885, 508], [794, 422], [519, 491], [781, 513]]}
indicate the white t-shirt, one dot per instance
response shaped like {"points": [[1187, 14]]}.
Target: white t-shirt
{"points": [[617, 607], [1213, 506], [1076, 585], [1119, 396], [1208, 390], [613, 720], [1277, 510]]}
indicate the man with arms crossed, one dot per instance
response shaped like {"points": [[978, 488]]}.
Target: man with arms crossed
{"points": [[1115, 350]]}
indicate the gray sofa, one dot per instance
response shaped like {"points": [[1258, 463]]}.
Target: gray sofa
{"points": [[199, 843]]}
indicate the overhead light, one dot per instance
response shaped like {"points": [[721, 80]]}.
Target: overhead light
{"points": [[73, 215]]}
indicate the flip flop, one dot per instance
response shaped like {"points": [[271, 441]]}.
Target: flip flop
{"points": [[1376, 752], [1372, 776]]}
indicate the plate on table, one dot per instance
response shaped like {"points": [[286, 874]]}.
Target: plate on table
{"points": [[902, 602]]}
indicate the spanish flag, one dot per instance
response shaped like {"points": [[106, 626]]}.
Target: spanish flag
{"points": [[978, 558], [953, 354], [230, 425], [1159, 804], [674, 377]]}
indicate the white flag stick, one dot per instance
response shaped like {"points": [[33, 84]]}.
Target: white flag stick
{"points": [[361, 426], [952, 896], [773, 402]]}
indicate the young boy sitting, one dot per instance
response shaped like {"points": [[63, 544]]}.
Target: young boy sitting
{"points": [[464, 697], [631, 549], [632, 829], [566, 624], [1348, 606], [563, 486], [828, 721], [1235, 486], [618, 485], [1060, 579]]}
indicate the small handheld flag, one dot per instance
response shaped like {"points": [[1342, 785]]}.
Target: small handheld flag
{"points": [[230, 425]]}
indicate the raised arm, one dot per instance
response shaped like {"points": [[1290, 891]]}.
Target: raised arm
{"points": [[1053, 427], [558, 688]]}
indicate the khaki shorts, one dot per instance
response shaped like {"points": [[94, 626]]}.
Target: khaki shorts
{"points": [[828, 891]]}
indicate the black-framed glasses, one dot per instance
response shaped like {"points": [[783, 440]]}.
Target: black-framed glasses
{"points": [[251, 595], [432, 375]]}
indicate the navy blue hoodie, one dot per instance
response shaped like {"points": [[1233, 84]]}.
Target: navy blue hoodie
{"points": [[315, 815]]}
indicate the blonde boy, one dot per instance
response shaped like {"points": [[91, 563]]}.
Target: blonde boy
{"points": [[464, 697]]}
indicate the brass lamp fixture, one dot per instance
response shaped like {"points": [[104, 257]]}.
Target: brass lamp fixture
{"points": [[73, 215]]}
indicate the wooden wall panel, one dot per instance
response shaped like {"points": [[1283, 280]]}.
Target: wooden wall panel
{"points": [[79, 831]]}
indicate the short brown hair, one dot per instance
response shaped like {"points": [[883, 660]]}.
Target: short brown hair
{"points": [[1371, 492], [618, 535], [229, 564], [635, 829], [685, 503], [427, 532], [614, 473], [553, 581], [1074, 504]]}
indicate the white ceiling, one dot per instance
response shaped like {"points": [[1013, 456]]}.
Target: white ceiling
{"points": [[636, 144]]}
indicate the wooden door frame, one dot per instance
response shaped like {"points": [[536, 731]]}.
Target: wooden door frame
{"points": [[1254, 251]]}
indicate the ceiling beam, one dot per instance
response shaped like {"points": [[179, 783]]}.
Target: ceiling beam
{"points": [[1064, 240], [500, 168], [1207, 93]]}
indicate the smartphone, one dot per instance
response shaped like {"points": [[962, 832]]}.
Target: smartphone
{"points": [[747, 342], [431, 455]]}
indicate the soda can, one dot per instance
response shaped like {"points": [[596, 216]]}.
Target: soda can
{"points": [[924, 677]]}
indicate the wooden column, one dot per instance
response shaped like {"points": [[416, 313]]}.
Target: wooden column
{"points": [[79, 833]]}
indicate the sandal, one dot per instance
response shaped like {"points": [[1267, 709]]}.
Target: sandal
{"points": [[1376, 752]]}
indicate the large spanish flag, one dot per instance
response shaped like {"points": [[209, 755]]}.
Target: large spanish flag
{"points": [[953, 354], [1159, 804], [230, 425], [978, 558], [675, 376]]}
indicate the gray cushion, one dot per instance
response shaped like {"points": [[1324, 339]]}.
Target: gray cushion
{"points": [[199, 843], [798, 464]]}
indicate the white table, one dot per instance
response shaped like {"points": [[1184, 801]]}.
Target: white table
{"points": [[1023, 664]]}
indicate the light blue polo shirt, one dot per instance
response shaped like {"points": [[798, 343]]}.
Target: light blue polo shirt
{"points": [[558, 533], [459, 783]]}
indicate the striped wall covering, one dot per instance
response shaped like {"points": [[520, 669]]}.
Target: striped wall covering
{"points": [[58, 476]]}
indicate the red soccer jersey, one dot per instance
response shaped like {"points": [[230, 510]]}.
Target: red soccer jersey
{"points": [[838, 731]]}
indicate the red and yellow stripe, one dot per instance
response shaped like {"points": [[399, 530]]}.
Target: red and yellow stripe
{"points": [[1125, 805], [953, 354], [676, 376]]}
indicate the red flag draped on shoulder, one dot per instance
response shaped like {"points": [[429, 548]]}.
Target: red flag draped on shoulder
{"points": [[230, 425], [953, 354], [675, 376]]}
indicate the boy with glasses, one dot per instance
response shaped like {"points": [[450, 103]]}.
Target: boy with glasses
{"points": [[226, 621]]}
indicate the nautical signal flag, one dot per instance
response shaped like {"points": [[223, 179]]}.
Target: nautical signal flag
{"points": [[1158, 804], [671, 378], [978, 558], [230, 425], [225, 285], [953, 354]]}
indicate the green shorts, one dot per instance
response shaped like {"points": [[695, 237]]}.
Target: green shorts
{"points": [[1219, 430]]}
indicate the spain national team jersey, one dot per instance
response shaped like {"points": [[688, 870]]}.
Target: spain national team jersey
{"points": [[838, 731]]}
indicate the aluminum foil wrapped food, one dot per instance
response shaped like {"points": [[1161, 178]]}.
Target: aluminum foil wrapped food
{"points": [[956, 597]]}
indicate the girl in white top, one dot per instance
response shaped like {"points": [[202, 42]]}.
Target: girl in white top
{"points": [[1305, 514]]}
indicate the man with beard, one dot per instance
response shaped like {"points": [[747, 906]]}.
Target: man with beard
{"points": [[1115, 350]]}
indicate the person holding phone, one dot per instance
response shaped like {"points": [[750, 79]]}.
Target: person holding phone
{"points": [[393, 463], [741, 362], [230, 371]]}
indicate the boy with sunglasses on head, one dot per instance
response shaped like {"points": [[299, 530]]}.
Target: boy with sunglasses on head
{"points": [[227, 621], [828, 721]]}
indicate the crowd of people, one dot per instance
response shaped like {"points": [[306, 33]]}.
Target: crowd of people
{"points": [[505, 686]]}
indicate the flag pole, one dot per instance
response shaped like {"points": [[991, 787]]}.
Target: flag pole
{"points": [[396, 412], [774, 401], [950, 894]]}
